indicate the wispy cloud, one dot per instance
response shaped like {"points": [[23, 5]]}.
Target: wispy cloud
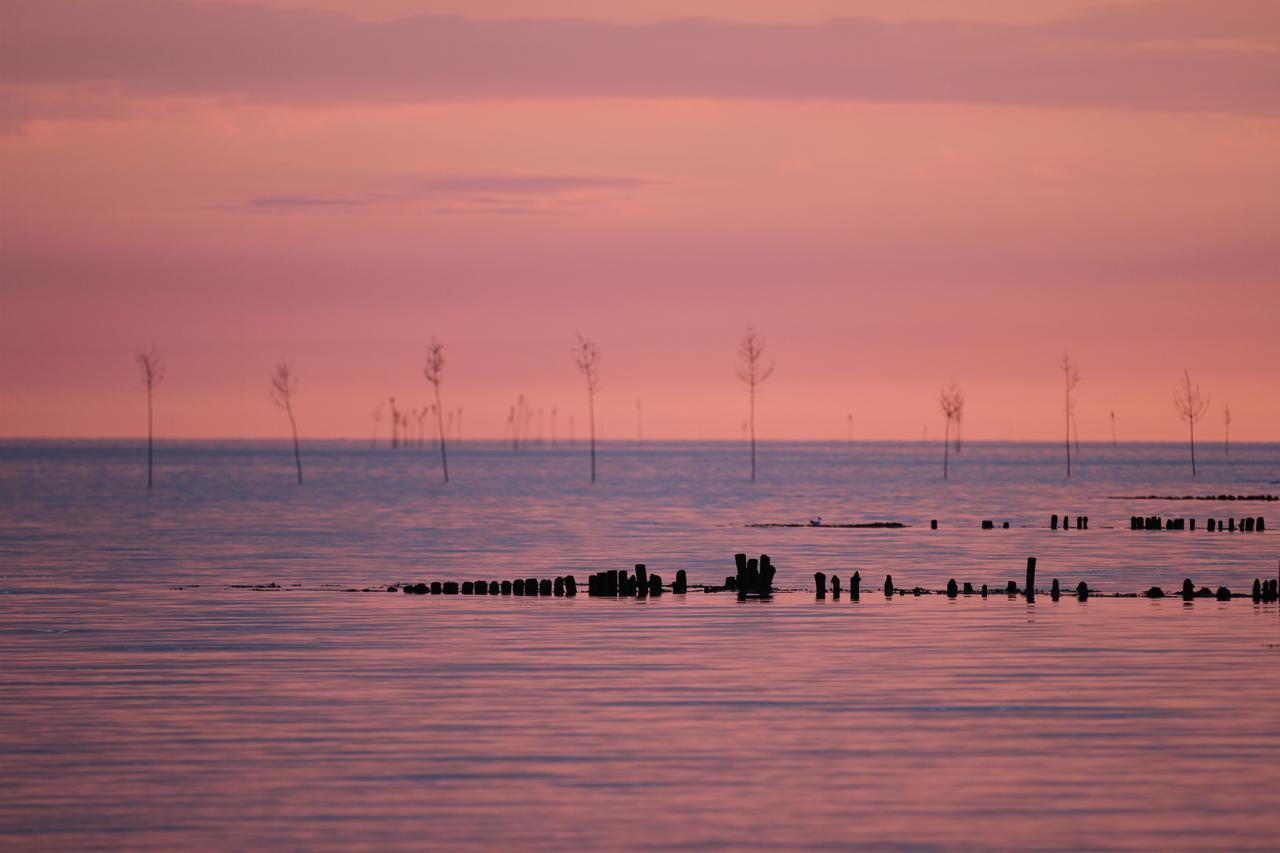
{"points": [[492, 193], [1102, 58]]}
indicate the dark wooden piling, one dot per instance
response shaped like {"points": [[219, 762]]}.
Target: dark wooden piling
{"points": [[557, 587], [495, 588], [1005, 526], [1055, 591], [530, 586], [1223, 594], [642, 576], [1082, 591], [835, 586], [988, 524], [952, 589], [968, 588], [1211, 525], [984, 590], [1053, 521], [1248, 525], [1154, 592], [481, 587], [1031, 577], [1066, 521], [1011, 589], [1261, 525], [468, 588], [1193, 524], [888, 586], [655, 584], [436, 588], [764, 584], [517, 586], [740, 561], [1231, 525], [681, 586], [933, 524], [1188, 589], [450, 588], [505, 589], [1257, 590], [570, 585], [855, 586], [545, 586], [820, 584]]}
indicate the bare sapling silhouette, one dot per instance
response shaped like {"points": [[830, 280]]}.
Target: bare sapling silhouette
{"points": [[753, 372], [377, 422], [283, 384], [951, 402], [586, 356], [959, 418], [395, 425], [434, 371], [1226, 423], [1070, 379], [1191, 407], [1113, 427], [152, 370]]}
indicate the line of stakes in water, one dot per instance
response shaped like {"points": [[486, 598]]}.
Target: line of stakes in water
{"points": [[754, 579]]}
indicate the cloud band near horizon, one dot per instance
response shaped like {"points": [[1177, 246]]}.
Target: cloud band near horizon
{"points": [[1170, 55]]}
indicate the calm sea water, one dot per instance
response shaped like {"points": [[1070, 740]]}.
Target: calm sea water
{"points": [[150, 698]]}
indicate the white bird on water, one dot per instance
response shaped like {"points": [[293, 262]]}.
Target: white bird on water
{"points": [[815, 522]]}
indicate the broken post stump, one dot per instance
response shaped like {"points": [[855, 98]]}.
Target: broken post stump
{"points": [[820, 584], [1055, 591], [952, 589], [888, 586]]}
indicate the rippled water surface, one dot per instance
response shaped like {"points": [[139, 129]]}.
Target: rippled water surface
{"points": [[152, 696]]}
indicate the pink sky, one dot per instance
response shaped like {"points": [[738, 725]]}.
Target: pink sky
{"points": [[897, 194]]}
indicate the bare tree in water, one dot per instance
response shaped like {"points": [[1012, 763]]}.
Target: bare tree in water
{"points": [[1070, 379], [959, 418], [152, 369], [377, 421], [1226, 422], [951, 401], [586, 356], [752, 372], [283, 384], [434, 371], [1191, 406]]}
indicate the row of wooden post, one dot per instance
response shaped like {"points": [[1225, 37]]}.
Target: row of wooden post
{"points": [[618, 584], [561, 586], [1082, 522]]}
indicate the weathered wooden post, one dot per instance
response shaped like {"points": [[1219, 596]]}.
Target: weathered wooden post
{"points": [[506, 588], [1262, 524], [1054, 591], [988, 524], [642, 580], [1231, 525], [1193, 524], [888, 586], [984, 590], [1210, 525], [1053, 521], [1257, 590], [482, 587], [952, 589], [835, 586], [968, 588], [1082, 591], [855, 586], [820, 584], [1223, 594], [765, 581], [1011, 589], [933, 524], [531, 586], [740, 561], [1188, 589], [681, 585], [655, 584], [1031, 577], [468, 588], [557, 587], [517, 586], [450, 587], [570, 585], [1248, 525], [436, 588], [544, 586]]}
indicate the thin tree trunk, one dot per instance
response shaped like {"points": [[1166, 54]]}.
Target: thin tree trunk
{"points": [[444, 458], [752, 419], [150, 451], [591, 415], [1068, 419], [946, 446], [1193, 448], [297, 453]]}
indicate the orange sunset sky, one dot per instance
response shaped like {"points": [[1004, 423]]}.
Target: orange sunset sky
{"points": [[897, 193]]}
